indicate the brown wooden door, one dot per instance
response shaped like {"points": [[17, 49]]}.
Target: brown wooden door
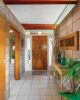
{"points": [[2, 64], [2, 57], [39, 52]]}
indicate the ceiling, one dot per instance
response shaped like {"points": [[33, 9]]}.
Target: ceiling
{"points": [[45, 13], [37, 14]]}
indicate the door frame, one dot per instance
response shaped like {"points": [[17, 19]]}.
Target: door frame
{"points": [[17, 54]]}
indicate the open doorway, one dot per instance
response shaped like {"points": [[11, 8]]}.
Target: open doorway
{"points": [[12, 59]]}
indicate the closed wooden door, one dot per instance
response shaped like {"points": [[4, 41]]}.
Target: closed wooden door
{"points": [[39, 52], [2, 57]]}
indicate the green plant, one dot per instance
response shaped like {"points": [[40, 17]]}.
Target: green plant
{"points": [[70, 63], [71, 96], [73, 73], [63, 61]]}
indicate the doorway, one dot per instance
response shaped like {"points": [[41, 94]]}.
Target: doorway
{"points": [[12, 60], [33, 50], [14, 49]]}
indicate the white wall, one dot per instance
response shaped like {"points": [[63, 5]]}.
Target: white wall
{"points": [[22, 67], [27, 66], [50, 39]]}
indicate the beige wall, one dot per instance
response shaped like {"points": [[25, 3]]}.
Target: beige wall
{"points": [[70, 24]]}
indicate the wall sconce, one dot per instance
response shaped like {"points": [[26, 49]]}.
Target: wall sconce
{"points": [[11, 31]]}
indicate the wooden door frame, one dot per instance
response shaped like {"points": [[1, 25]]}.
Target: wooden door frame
{"points": [[17, 54]]}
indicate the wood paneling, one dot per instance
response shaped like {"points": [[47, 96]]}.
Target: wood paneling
{"points": [[39, 26], [2, 58], [39, 52], [40, 1]]}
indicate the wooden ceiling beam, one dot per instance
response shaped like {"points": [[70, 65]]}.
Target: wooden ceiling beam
{"points": [[40, 1], [39, 26]]}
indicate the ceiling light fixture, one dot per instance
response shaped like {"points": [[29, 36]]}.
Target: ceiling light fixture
{"points": [[39, 33]]}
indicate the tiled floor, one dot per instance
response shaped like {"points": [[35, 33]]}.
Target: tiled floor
{"points": [[33, 87]]}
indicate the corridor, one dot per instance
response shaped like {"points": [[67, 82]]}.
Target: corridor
{"points": [[39, 49], [33, 87]]}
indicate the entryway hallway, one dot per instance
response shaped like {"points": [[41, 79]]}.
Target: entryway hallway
{"points": [[33, 87]]}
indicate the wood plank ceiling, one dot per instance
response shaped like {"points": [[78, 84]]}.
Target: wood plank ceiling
{"points": [[40, 1]]}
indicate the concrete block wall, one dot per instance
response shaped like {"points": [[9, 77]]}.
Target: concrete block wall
{"points": [[22, 57], [70, 24], [27, 66], [7, 67]]}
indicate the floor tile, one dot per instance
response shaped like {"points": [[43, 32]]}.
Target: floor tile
{"points": [[12, 98], [24, 92], [45, 92], [22, 98], [46, 98], [33, 87], [35, 92], [18, 86], [34, 98], [14, 92], [56, 98]]}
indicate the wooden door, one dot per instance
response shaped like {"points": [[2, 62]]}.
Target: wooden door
{"points": [[39, 52], [2, 64], [2, 57]]}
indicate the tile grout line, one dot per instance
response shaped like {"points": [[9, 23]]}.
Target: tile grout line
{"points": [[18, 93], [30, 89]]}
